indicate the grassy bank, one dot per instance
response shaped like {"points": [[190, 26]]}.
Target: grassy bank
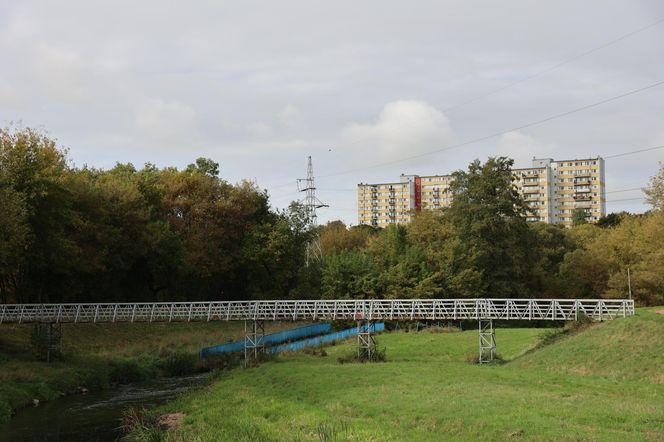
{"points": [[96, 356], [600, 383]]}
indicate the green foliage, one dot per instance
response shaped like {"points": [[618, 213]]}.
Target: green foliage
{"points": [[178, 362], [482, 246], [579, 216], [127, 234], [489, 218], [132, 370], [99, 355], [137, 425], [604, 382], [348, 275]]}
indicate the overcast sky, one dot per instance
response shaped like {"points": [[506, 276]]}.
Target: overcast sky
{"points": [[259, 86]]}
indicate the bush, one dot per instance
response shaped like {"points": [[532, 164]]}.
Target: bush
{"points": [[220, 361], [177, 363], [136, 424], [130, 370], [5, 412]]}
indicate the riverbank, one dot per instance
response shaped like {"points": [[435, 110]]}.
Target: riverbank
{"points": [[603, 382], [97, 356]]}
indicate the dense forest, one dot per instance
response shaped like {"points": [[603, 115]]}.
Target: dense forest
{"points": [[83, 234]]}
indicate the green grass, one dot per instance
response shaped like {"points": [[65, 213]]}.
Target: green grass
{"points": [[97, 355], [597, 384]]}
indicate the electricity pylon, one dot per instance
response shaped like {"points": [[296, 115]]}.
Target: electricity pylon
{"points": [[311, 203]]}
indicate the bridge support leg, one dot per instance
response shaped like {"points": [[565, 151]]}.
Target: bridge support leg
{"points": [[487, 341], [46, 340], [367, 347], [254, 331]]}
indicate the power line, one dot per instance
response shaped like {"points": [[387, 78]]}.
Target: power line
{"points": [[556, 65], [529, 77], [539, 73], [611, 191], [625, 190], [634, 151], [641, 198], [503, 132]]}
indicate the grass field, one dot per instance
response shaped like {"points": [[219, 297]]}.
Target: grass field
{"points": [[602, 383], [96, 355]]}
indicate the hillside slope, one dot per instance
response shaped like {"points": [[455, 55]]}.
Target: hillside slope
{"points": [[629, 349], [428, 391]]}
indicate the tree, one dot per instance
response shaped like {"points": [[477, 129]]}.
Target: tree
{"points": [[348, 275], [552, 243], [14, 238], [36, 170], [611, 220], [579, 217], [335, 237], [655, 191], [204, 166], [495, 247], [585, 274]]}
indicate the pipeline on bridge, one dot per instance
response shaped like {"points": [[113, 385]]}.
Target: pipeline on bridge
{"points": [[365, 311]]}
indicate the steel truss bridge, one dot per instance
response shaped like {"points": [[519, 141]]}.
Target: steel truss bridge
{"points": [[254, 313]]}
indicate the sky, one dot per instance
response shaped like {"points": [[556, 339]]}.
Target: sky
{"points": [[369, 89]]}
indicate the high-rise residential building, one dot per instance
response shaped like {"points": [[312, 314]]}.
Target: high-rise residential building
{"points": [[552, 189]]}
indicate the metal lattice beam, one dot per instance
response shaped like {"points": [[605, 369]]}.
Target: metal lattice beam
{"points": [[487, 341], [254, 332], [367, 347], [326, 310]]}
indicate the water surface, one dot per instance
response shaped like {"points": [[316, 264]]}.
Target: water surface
{"points": [[93, 417]]}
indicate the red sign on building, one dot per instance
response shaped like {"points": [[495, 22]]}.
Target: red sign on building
{"points": [[418, 194]]}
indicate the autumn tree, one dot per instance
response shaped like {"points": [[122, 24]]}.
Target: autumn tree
{"points": [[655, 191]]}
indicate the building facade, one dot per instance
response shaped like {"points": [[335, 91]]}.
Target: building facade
{"points": [[552, 189]]}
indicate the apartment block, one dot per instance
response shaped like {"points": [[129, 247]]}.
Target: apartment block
{"points": [[387, 203], [552, 189]]}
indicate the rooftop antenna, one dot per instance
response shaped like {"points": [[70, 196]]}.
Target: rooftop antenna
{"points": [[311, 203]]}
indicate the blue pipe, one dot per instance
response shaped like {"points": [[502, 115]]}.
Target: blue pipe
{"points": [[271, 339], [325, 339]]}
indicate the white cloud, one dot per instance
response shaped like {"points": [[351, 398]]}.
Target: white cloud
{"points": [[290, 117], [169, 122], [259, 129], [403, 128], [61, 71], [116, 82], [522, 148]]}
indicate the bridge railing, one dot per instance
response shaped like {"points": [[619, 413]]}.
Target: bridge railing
{"points": [[278, 310]]}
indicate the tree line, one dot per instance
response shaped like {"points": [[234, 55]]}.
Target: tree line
{"points": [[482, 246], [81, 234], [126, 234]]}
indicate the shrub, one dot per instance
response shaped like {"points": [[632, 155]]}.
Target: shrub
{"points": [[177, 363], [136, 424], [130, 370]]}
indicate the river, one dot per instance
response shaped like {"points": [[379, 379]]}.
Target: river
{"points": [[93, 416]]}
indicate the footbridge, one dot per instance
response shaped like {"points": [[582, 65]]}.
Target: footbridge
{"points": [[364, 311]]}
